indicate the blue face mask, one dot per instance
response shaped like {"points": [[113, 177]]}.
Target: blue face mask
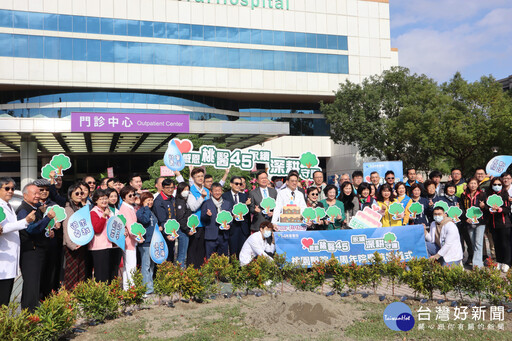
{"points": [[267, 233], [496, 188]]}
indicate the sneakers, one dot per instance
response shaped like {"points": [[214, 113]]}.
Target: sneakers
{"points": [[504, 268], [498, 266]]}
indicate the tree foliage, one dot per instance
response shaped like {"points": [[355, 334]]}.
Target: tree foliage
{"points": [[402, 116]]}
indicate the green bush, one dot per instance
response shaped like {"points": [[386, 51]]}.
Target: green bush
{"points": [[394, 270], [167, 279], [96, 300], [57, 314], [17, 326], [258, 273]]}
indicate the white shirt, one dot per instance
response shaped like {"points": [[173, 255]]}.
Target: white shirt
{"points": [[451, 249], [193, 203], [285, 197], [255, 246], [10, 242], [268, 193], [236, 197]]}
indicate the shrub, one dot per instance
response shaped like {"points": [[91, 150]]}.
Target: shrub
{"points": [[217, 265], [283, 269], [394, 270], [413, 276], [167, 279], [190, 284], [375, 270], [358, 275], [235, 275], [96, 300], [258, 273], [57, 314], [135, 293], [305, 279], [341, 278], [17, 326]]}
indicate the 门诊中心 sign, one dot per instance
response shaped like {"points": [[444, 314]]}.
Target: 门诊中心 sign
{"points": [[272, 4]]}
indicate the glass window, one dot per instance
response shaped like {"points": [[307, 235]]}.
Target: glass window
{"points": [[184, 31], [321, 41], [79, 24], [93, 25], [197, 32], [120, 27], [234, 58], [332, 42], [300, 39], [173, 55], [290, 61], [301, 62], [343, 64], [196, 53], [51, 48], [342, 43], [311, 62], [5, 18], [267, 37], [20, 44], [268, 60], [93, 50], [257, 60], [172, 31], [107, 51], [221, 34], [51, 22], [279, 38], [35, 46], [256, 37], [20, 19], [209, 33], [65, 23], [233, 35], [332, 60], [209, 57], [133, 28], [245, 36], [221, 57], [120, 52], [66, 48], [279, 58], [323, 63], [6, 45], [289, 38], [79, 49], [159, 30], [146, 54], [311, 40], [107, 26], [133, 52], [185, 55], [126, 97], [35, 21], [146, 29], [159, 54], [245, 59]]}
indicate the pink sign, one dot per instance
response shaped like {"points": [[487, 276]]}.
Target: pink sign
{"points": [[129, 123], [164, 171], [110, 172]]}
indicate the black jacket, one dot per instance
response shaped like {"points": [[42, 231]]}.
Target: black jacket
{"points": [[182, 214], [164, 209], [33, 236]]}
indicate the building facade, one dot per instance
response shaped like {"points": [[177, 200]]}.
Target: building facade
{"points": [[247, 72]]}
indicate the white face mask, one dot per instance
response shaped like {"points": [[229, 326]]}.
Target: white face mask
{"points": [[267, 233], [497, 188], [185, 194], [438, 218]]}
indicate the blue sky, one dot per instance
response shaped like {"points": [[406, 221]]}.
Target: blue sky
{"points": [[440, 37]]}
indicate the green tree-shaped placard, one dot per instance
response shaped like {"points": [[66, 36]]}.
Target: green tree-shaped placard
{"points": [[123, 219], [309, 160], [333, 212], [61, 163], [224, 218], [395, 209], [60, 215], [268, 204], [474, 213], [138, 231], [415, 209], [46, 170], [239, 210], [2, 214], [389, 237], [494, 201], [320, 213], [442, 204], [454, 213], [192, 223], [308, 214], [171, 227]]}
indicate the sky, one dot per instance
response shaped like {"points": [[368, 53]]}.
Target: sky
{"points": [[440, 37]]}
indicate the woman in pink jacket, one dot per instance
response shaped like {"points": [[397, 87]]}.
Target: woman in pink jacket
{"points": [[100, 247], [127, 209]]}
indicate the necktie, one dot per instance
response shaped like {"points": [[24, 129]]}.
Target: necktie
{"points": [[265, 195], [236, 198], [10, 207], [293, 195]]}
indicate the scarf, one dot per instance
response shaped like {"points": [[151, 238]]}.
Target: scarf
{"points": [[439, 227], [217, 203]]}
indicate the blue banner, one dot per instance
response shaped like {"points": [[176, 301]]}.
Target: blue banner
{"points": [[158, 247], [115, 231], [382, 167], [359, 246], [498, 165], [80, 229]]}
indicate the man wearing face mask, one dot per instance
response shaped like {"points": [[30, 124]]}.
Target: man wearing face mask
{"points": [[443, 240], [261, 243]]}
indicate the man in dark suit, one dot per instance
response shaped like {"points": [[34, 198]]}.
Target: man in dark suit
{"points": [[163, 208], [239, 230], [217, 240], [256, 196], [34, 245]]}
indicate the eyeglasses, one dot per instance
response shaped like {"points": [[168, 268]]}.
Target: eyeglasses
{"points": [[314, 194], [43, 189], [91, 182], [78, 194], [237, 183], [131, 195], [390, 178], [8, 189]]}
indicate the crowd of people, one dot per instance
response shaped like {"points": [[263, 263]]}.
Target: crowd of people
{"points": [[50, 259]]}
